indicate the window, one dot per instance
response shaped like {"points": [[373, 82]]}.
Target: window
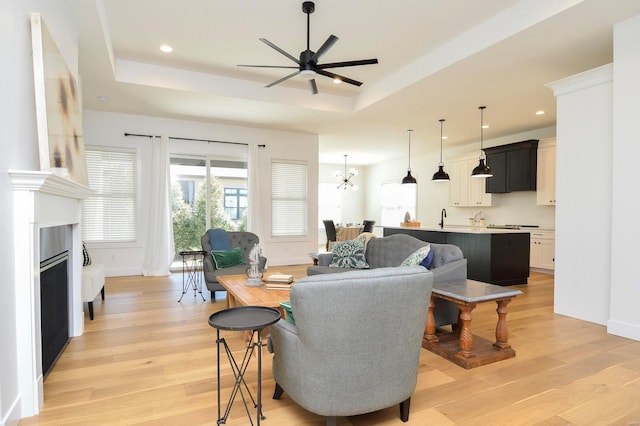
{"points": [[235, 202], [331, 206], [207, 192], [289, 204], [396, 200], [109, 215]]}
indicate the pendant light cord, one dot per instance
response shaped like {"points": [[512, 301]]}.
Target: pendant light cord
{"points": [[409, 132], [441, 121], [482, 131]]}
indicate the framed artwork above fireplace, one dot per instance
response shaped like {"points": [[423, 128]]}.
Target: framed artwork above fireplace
{"points": [[58, 110]]}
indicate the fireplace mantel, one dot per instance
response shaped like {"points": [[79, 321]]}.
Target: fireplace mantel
{"points": [[42, 199], [48, 183]]}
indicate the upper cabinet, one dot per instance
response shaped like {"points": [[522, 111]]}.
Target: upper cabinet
{"points": [[546, 190], [465, 191], [514, 167]]}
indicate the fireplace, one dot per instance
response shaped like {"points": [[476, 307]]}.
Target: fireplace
{"points": [[55, 244], [43, 200]]}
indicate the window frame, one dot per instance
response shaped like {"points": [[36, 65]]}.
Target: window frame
{"points": [[304, 199], [138, 231]]}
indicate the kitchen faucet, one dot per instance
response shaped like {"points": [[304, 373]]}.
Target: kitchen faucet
{"points": [[443, 214]]}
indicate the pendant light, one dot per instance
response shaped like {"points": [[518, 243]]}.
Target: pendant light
{"points": [[408, 178], [440, 175], [482, 170], [345, 178]]}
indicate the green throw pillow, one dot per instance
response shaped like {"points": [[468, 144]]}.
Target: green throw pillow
{"points": [[227, 258]]}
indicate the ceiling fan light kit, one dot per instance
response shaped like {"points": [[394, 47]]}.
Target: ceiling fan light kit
{"points": [[482, 170], [308, 65], [440, 175]]}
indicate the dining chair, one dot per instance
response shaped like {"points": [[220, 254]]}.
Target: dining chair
{"points": [[330, 229], [367, 225]]}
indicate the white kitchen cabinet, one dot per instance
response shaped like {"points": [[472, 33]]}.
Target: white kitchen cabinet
{"points": [[546, 175], [543, 250], [465, 191], [458, 183]]}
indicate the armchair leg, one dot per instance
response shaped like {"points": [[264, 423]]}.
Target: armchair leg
{"points": [[277, 393], [90, 310], [331, 421], [102, 292], [404, 409]]}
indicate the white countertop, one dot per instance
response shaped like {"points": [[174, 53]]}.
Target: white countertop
{"points": [[466, 229]]}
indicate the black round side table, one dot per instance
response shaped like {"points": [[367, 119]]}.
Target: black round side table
{"points": [[241, 318]]}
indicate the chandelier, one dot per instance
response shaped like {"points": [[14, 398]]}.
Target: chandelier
{"points": [[345, 178]]}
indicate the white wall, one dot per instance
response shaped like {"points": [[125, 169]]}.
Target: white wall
{"points": [[624, 316], [583, 210], [513, 208], [107, 129], [19, 144]]}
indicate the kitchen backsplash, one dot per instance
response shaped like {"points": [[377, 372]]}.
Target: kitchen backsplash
{"points": [[516, 208]]}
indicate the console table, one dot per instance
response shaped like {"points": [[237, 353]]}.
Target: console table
{"points": [[460, 345]]}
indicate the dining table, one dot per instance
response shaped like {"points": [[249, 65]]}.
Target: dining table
{"points": [[345, 233]]}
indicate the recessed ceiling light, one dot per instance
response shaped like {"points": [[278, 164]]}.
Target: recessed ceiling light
{"points": [[540, 112], [103, 98], [485, 126], [445, 137], [166, 48], [337, 81]]}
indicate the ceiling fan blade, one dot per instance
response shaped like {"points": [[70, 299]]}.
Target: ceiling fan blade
{"points": [[341, 78], [314, 87], [267, 66], [347, 64], [273, 46], [325, 46], [293, 74]]}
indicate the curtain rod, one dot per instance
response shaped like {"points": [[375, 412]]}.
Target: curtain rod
{"points": [[196, 140], [146, 136]]}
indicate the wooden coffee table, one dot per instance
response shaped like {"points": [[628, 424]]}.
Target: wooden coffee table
{"points": [[240, 294], [461, 346]]}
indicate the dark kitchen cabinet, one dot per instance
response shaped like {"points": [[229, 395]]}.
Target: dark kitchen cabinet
{"points": [[514, 167], [499, 257]]}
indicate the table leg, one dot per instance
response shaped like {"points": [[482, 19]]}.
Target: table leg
{"points": [[466, 338], [259, 415], [430, 328], [502, 333]]}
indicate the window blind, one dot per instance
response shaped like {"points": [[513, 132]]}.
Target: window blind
{"points": [[109, 215], [289, 203]]}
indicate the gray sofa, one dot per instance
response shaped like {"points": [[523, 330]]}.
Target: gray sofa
{"points": [[244, 240], [448, 264], [356, 343]]}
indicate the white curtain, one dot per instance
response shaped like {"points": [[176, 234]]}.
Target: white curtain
{"points": [[255, 220], [159, 251]]}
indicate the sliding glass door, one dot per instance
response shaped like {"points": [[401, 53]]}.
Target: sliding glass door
{"points": [[206, 192]]}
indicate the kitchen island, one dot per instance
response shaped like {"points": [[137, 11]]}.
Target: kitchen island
{"points": [[495, 256]]}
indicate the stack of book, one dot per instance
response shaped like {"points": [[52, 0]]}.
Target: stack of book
{"points": [[279, 281]]}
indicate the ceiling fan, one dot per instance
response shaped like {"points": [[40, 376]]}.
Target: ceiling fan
{"points": [[308, 65]]}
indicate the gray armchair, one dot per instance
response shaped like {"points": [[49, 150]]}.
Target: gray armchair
{"points": [[242, 239], [356, 343]]}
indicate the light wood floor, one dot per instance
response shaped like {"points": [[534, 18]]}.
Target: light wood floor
{"points": [[148, 360]]}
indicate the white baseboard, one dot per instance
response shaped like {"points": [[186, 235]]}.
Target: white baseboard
{"points": [[624, 329], [13, 414]]}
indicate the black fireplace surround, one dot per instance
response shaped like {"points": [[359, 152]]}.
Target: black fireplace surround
{"points": [[55, 244]]}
